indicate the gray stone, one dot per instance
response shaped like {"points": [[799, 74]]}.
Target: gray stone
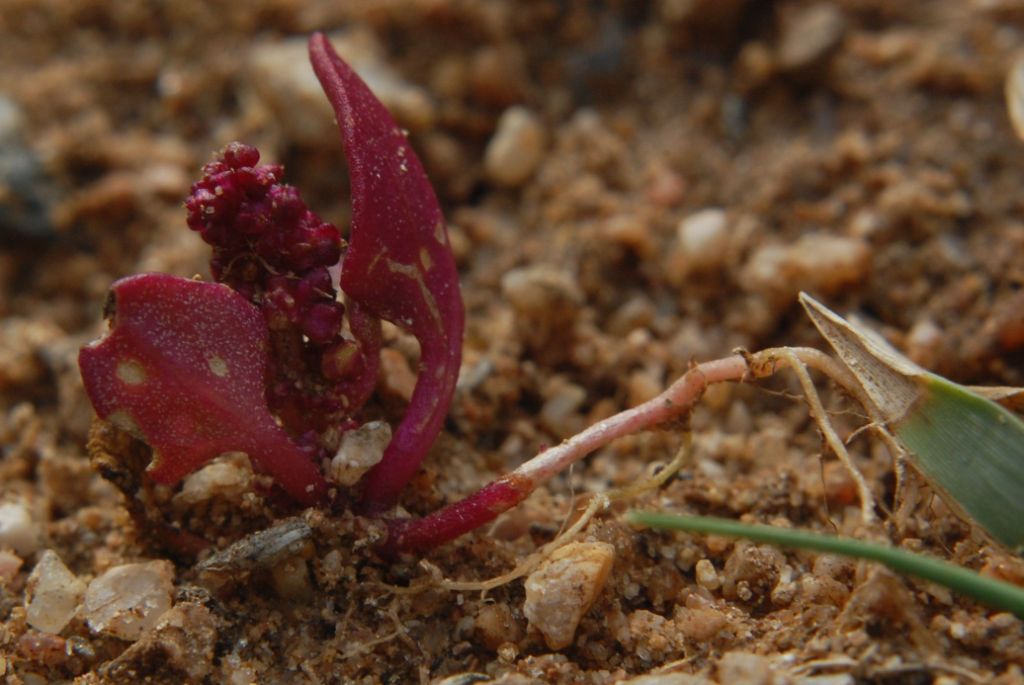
{"points": [[26, 192]]}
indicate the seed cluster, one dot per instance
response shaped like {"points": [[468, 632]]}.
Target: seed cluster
{"points": [[272, 249]]}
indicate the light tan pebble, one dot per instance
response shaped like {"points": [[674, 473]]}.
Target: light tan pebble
{"points": [[516, 148], [666, 188], [924, 340], [707, 576], [360, 450], [866, 223], [128, 600], [228, 477], [636, 312], [755, 65], [17, 529], [10, 564], [182, 641], [560, 411], [283, 81], [699, 624], [653, 635], [810, 37], [1014, 91], [820, 589], [834, 566], [449, 78], [291, 579], [397, 378], [786, 589], [52, 594], [444, 158], [750, 571], [21, 343], [498, 75], [644, 384], [562, 590], [839, 484], [703, 239], [496, 626], [743, 668], [165, 179], [541, 291], [234, 671], [816, 261], [631, 231], [719, 14]]}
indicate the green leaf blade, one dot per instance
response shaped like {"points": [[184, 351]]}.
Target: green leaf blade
{"points": [[973, 450]]}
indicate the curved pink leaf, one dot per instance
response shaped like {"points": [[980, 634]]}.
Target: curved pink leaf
{"points": [[399, 264], [184, 365]]}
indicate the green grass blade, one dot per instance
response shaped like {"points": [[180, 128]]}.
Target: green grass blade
{"points": [[989, 591]]}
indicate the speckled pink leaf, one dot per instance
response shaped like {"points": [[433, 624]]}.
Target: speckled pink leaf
{"points": [[183, 367], [399, 264]]}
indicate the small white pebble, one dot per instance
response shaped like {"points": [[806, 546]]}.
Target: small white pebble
{"points": [[17, 529], [703, 238], [743, 668], [537, 291], [283, 83], [52, 595], [562, 590], [785, 589], [560, 408], [229, 477], [360, 450], [128, 600], [810, 37], [707, 576], [643, 385], [1015, 95], [924, 341], [516, 148]]}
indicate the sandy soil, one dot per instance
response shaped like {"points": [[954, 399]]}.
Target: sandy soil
{"points": [[673, 174]]}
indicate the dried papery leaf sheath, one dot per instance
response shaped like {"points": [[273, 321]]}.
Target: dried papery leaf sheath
{"points": [[399, 265], [183, 367], [968, 447]]}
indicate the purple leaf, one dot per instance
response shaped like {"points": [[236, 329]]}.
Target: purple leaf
{"points": [[184, 367], [399, 265]]}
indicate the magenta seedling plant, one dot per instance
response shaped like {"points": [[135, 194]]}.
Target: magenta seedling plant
{"points": [[198, 368], [269, 361]]}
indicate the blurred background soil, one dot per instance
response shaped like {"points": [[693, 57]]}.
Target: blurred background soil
{"points": [[630, 186]]}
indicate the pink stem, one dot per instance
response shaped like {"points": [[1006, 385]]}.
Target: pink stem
{"points": [[435, 385], [497, 497]]}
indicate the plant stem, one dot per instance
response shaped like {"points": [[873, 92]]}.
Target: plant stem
{"points": [[419, 535], [500, 495], [986, 590]]}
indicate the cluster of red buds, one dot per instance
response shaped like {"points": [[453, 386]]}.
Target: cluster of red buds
{"points": [[273, 250]]}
